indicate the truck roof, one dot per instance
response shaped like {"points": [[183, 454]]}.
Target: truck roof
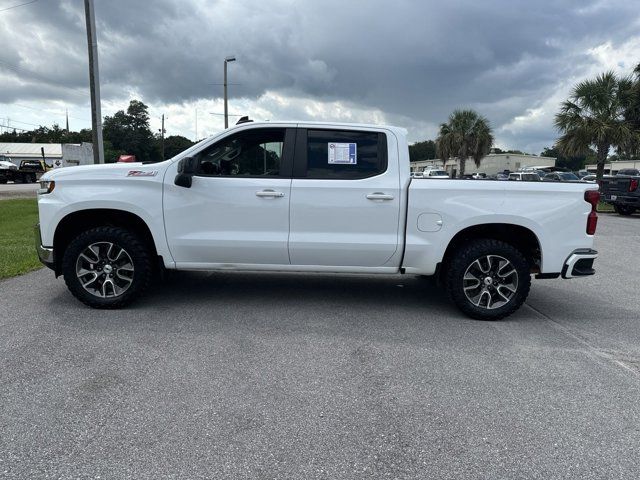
{"points": [[400, 130]]}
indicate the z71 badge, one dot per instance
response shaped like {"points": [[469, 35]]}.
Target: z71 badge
{"points": [[142, 173]]}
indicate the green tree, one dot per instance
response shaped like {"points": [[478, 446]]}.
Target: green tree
{"points": [[422, 151], [174, 144], [594, 116], [466, 134], [632, 115], [53, 134], [574, 162], [128, 132]]}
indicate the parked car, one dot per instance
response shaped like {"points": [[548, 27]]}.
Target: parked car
{"points": [[561, 177], [435, 174], [588, 178], [622, 192], [536, 169], [309, 197], [633, 172], [26, 172], [478, 176], [524, 176]]}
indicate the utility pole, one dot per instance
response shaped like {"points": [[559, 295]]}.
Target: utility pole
{"points": [[94, 83], [226, 109], [162, 133]]}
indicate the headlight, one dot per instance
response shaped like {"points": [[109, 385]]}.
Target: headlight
{"points": [[46, 186]]}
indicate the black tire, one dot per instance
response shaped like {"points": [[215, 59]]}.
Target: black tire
{"points": [[32, 178], [624, 209], [488, 252], [137, 255]]}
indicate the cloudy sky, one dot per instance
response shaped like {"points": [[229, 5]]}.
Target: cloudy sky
{"points": [[403, 62]]}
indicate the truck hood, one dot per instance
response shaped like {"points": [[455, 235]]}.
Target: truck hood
{"points": [[108, 170], [6, 165]]}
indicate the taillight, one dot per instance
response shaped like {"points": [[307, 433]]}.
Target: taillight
{"points": [[592, 197], [633, 184]]}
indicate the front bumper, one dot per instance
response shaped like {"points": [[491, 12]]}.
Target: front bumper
{"points": [[580, 263], [45, 254]]}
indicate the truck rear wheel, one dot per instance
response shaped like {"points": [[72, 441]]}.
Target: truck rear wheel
{"points": [[488, 279], [624, 209], [107, 267]]}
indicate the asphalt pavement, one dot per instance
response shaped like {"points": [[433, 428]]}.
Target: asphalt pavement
{"points": [[18, 190], [236, 375]]}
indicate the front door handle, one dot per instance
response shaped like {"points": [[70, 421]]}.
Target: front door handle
{"points": [[379, 196], [269, 193]]}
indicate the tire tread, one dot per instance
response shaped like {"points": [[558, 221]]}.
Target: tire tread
{"points": [[461, 261], [134, 246]]}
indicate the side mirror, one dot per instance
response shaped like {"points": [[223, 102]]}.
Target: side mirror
{"points": [[186, 170]]}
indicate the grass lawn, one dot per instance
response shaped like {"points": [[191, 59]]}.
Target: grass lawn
{"points": [[605, 207], [17, 248]]}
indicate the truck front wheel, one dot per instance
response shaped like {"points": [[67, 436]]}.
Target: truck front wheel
{"points": [[107, 267], [488, 279]]}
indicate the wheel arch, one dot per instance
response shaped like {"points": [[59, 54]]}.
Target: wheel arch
{"points": [[82, 220], [520, 237]]}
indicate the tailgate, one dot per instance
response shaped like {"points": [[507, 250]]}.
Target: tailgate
{"points": [[614, 186]]}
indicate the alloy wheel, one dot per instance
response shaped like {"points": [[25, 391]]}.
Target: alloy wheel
{"points": [[105, 269], [490, 282]]}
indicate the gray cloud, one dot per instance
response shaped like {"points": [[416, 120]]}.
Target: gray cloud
{"points": [[412, 60]]}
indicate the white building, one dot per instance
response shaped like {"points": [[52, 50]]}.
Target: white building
{"points": [[55, 154], [611, 168], [490, 164]]}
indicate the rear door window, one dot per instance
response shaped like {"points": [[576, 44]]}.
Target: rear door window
{"points": [[340, 154]]}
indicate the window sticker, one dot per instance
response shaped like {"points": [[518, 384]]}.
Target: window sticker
{"points": [[343, 153]]}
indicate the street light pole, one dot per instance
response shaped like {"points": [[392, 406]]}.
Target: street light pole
{"points": [[94, 83], [226, 109]]}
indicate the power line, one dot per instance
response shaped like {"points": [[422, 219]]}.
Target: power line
{"points": [[55, 83], [51, 112], [27, 123], [14, 128], [20, 5], [222, 114]]}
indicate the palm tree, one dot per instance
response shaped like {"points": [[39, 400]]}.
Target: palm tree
{"points": [[632, 115], [466, 134], [594, 115]]}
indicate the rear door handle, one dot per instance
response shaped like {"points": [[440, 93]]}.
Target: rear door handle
{"points": [[269, 193], [379, 196]]}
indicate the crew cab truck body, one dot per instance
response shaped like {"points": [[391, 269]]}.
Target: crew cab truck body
{"points": [[310, 197]]}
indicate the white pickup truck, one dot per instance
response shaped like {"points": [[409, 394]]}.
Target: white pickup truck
{"points": [[310, 197]]}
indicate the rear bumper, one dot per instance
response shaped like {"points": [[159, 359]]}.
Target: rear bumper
{"points": [[45, 254], [580, 263], [623, 200]]}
